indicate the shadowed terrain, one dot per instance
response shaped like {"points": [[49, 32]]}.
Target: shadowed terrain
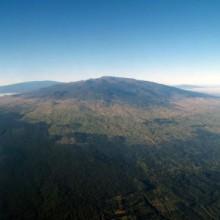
{"points": [[110, 148]]}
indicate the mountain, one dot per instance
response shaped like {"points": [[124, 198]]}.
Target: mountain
{"points": [[110, 148], [26, 86], [117, 90]]}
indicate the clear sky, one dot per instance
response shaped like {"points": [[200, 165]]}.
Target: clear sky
{"points": [[167, 41]]}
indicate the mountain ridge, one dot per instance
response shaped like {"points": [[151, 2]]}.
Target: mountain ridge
{"points": [[106, 156], [115, 90]]}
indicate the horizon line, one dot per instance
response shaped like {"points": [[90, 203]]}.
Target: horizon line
{"points": [[2, 84]]}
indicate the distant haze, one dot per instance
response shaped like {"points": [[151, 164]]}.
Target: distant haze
{"points": [[209, 90], [6, 94], [212, 90]]}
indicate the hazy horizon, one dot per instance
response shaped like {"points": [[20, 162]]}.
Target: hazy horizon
{"points": [[216, 85]]}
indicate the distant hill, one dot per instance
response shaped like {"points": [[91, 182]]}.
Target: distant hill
{"points": [[26, 86], [115, 90]]}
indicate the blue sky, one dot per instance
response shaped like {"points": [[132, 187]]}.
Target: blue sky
{"points": [[167, 41]]}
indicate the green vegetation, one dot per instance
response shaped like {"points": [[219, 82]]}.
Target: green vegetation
{"points": [[90, 159]]}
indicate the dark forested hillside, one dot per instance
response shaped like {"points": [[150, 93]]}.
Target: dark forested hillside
{"points": [[109, 149]]}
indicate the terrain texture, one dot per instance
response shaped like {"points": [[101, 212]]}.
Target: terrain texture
{"points": [[109, 148]]}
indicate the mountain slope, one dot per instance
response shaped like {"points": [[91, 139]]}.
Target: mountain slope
{"points": [[26, 86], [107, 157], [118, 90]]}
